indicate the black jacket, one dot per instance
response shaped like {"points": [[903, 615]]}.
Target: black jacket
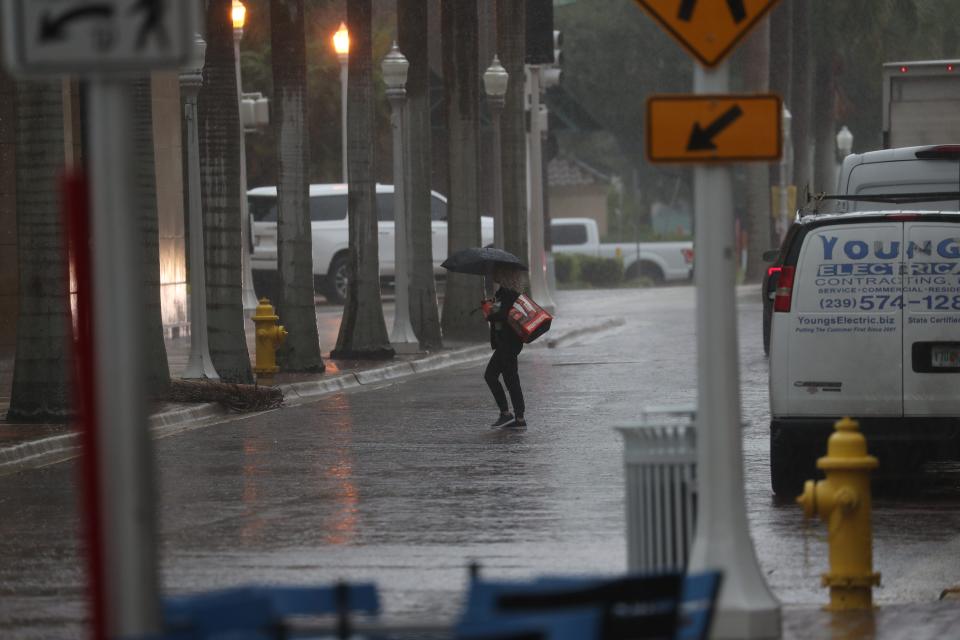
{"points": [[501, 335]]}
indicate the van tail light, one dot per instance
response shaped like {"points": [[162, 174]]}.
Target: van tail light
{"points": [[687, 255], [784, 290], [939, 152], [772, 271]]}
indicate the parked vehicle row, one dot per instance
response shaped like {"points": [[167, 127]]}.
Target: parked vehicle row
{"points": [[862, 306], [328, 222]]}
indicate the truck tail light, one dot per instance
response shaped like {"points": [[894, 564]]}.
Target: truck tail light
{"points": [[687, 255], [772, 271], [784, 290]]}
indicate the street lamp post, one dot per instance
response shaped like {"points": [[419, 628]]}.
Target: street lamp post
{"points": [[200, 364], [539, 287], [341, 44], [238, 15], [844, 146], [495, 80], [786, 170], [395, 68]]}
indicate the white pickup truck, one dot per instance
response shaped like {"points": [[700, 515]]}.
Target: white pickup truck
{"points": [[659, 262], [328, 222]]}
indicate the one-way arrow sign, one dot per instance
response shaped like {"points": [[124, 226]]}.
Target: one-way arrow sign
{"points": [[708, 29], [713, 128]]}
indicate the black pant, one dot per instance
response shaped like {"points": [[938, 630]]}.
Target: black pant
{"points": [[503, 362]]}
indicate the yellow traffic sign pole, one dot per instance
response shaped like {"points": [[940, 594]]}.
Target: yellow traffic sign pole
{"points": [[746, 608]]}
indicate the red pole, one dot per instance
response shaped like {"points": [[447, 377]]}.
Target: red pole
{"points": [[76, 212]]}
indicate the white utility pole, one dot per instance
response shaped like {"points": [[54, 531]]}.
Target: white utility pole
{"points": [[539, 288], [126, 485], [746, 609]]}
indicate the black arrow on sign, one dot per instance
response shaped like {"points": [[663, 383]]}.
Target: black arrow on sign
{"points": [[702, 139], [53, 28], [737, 10]]}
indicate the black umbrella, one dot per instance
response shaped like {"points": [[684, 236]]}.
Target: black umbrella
{"points": [[481, 260]]}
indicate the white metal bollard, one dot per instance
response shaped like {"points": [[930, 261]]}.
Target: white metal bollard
{"points": [[660, 460]]}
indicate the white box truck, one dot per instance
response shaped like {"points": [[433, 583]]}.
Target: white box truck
{"points": [[921, 103]]}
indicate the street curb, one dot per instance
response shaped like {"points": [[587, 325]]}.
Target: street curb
{"points": [[62, 447]]}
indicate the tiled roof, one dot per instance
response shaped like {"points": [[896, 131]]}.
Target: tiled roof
{"points": [[564, 171]]}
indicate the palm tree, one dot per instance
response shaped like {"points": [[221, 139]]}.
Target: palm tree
{"points": [[301, 350], [756, 58], [424, 313], [219, 123], [363, 332], [43, 361], [157, 369], [511, 45], [461, 81], [801, 89]]}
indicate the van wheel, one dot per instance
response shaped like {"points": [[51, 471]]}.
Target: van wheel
{"points": [[792, 462], [337, 282]]}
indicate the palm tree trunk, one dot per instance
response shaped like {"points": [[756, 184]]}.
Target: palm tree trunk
{"points": [[461, 80], [301, 350], [156, 368], [424, 313], [44, 360], [801, 90], [363, 332], [757, 77], [219, 122], [511, 46]]}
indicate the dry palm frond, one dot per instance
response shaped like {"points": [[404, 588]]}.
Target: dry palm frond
{"points": [[241, 398]]}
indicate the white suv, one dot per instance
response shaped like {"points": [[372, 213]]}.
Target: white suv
{"points": [[328, 221]]}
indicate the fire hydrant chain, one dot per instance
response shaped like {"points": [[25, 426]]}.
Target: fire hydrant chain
{"points": [[842, 500]]}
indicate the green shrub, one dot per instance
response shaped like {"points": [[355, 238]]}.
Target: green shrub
{"points": [[566, 267], [601, 272]]}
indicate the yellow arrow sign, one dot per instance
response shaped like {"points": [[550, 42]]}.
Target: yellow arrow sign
{"points": [[708, 29], [713, 128]]}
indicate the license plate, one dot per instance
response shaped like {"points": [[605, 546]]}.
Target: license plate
{"points": [[945, 357]]}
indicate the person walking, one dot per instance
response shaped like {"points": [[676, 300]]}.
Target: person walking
{"points": [[506, 346]]}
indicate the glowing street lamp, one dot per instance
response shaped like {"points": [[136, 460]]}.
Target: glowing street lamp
{"points": [[341, 44], [495, 80], [238, 13]]}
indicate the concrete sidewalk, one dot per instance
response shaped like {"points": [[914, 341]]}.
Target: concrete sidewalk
{"points": [[24, 446]]}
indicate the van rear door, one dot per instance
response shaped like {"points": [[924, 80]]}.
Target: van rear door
{"points": [[845, 318], [931, 341]]}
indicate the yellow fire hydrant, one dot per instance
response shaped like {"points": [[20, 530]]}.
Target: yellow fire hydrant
{"points": [[270, 336], [842, 500]]}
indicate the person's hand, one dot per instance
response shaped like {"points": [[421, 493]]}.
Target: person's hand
{"points": [[486, 306]]}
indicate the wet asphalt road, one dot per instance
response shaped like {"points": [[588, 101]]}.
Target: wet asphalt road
{"points": [[405, 483]]}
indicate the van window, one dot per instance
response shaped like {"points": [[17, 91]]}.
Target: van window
{"points": [[385, 207], [263, 208], [568, 234], [328, 208], [438, 209]]}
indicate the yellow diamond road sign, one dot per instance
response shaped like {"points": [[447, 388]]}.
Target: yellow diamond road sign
{"points": [[708, 29], [713, 128]]}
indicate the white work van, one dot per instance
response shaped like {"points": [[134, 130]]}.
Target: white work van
{"points": [[866, 323], [907, 170]]}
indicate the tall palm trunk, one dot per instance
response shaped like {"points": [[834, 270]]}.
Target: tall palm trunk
{"points": [[801, 90], [511, 46], [43, 360], [424, 313], [155, 352], [363, 332], [220, 185], [301, 350], [461, 81], [757, 78]]}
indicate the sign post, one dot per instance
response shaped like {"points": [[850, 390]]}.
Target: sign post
{"points": [[709, 129], [746, 608], [109, 42]]}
